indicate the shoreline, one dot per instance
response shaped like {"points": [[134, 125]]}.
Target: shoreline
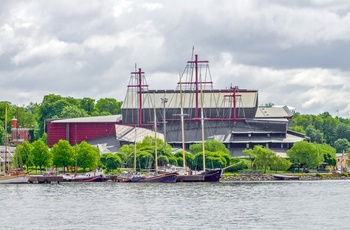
{"points": [[270, 177]]}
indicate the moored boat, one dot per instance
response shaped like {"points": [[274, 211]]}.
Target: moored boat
{"points": [[157, 178], [8, 174], [88, 177], [14, 178], [129, 177]]}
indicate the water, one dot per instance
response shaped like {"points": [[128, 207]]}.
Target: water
{"points": [[225, 205]]}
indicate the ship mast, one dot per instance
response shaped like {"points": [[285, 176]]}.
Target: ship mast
{"points": [[139, 85], [5, 142], [196, 63], [155, 140], [202, 124]]}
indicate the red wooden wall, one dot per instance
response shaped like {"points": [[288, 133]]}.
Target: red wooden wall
{"points": [[78, 132]]}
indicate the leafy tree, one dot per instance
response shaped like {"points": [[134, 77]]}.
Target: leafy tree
{"points": [[264, 157], [108, 105], [26, 152], [88, 105], [280, 164], [328, 152], [88, 156], [63, 154], [315, 135], [209, 145], [343, 131], [2, 133], [51, 107], [305, 154], [72, 111], [212, 160], [44, 138], [144, 159], [329, 129], [126, 154], [110, 161], [41, 154], [188, 157], [251, 154], [341, 145]]}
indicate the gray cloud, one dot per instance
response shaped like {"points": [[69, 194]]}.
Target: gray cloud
{"points": [[294, 52]]}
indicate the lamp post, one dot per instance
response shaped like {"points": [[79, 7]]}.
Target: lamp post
{"points": [[164, 100]]}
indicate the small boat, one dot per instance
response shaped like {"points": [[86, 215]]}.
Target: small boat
{"points": [[88, 177], [156, 178], [14, 177], [129, 177]]}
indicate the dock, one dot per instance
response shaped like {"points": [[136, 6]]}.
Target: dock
{"points": [[45, 179], [285, 177]]}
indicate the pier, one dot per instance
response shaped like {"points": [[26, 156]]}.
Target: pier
{"points": [[45, 179]]}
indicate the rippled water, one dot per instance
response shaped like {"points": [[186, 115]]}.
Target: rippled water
{"points": [[225, 205]]}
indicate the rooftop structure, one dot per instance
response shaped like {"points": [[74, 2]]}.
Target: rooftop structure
{"points": [[230, 115]]}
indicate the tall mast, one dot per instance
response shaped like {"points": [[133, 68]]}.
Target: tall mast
{"points": [[139, 85], [182, 129], [5, 142], [135, 152], [202, 124], [155, 140], [196, 82]]}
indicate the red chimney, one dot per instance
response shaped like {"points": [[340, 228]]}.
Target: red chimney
{"points": [[14, 123]]}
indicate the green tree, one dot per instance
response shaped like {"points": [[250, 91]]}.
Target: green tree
{"points": [[2, 133], [88, 156], [264, 157], [51, 107], [329, 153], [251, 154], [314, 134], [111, 161], [341, 145], [305, 154], [280, 164], [209, 145], [72, 111], [108, 105], [41, 154], [88, 105], [26, 152], [126, 154], [188, 157], [63, 154]]}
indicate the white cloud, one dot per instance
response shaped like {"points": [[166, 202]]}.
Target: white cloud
{"points": [[293, 52]]}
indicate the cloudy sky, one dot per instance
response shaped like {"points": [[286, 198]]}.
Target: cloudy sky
{"points": [[295, 53]]}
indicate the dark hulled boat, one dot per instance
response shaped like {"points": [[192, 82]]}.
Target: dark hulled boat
{"points": [[213, 175], [157, 178]]}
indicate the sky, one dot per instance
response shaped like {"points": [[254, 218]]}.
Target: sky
{"points": [[295, 53]]}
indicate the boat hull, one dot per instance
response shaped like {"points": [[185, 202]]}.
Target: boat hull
{"points": [[208, 176], [162, 178], [99, 178], [14, 179]]}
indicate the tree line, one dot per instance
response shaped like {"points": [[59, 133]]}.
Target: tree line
{"points": [[323, 129], [87, 157], [54, 106]]}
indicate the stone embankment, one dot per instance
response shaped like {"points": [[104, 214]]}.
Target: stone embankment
{"points": [[270, 177]]}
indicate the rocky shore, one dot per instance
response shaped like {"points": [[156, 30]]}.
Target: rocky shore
{"points": [[271, 177]]}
